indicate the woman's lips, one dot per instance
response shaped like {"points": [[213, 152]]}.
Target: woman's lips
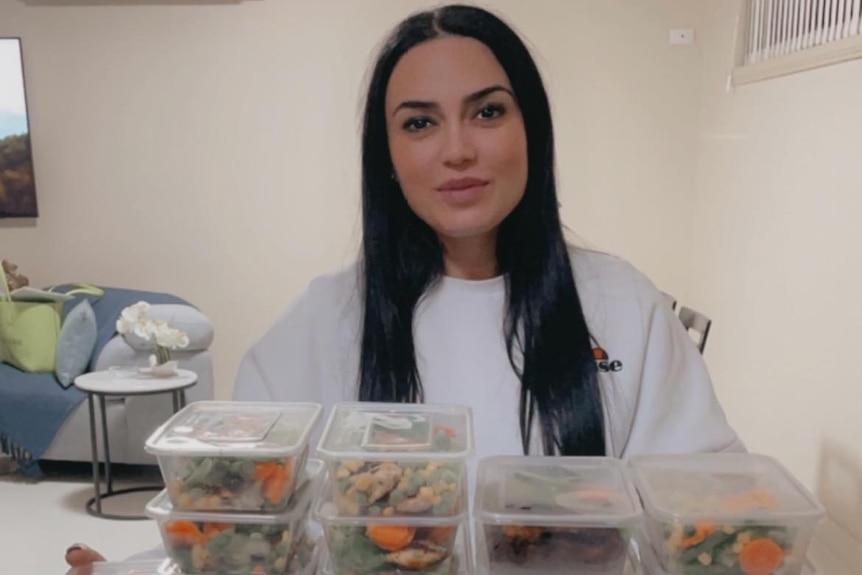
{"points": [[461, 184], [463, 191]]}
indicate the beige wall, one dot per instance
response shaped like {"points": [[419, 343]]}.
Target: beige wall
{"points": [[776, 262], [230, 132]]}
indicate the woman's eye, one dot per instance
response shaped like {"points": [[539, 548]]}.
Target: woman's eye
{"points": [[491, 111], [416, 124]]}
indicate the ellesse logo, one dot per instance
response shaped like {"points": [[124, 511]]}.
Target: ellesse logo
{"points": [[604, 363]]}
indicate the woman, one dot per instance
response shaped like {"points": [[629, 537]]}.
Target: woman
{"points": [[466, 291]]}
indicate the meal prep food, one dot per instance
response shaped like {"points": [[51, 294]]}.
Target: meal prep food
{"points": [[706, 548], [391, 543], [235, 543], [234, 456], [388, 488], [390, 549], [725, 514], [404, 459], [554, 515]]}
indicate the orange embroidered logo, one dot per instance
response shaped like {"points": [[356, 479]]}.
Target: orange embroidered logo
{"points": [[604, 363]]}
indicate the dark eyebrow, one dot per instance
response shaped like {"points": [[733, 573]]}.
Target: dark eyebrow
{"points": [[470, 99]]}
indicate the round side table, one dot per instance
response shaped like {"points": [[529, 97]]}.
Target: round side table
{"points": [[124, 382]]}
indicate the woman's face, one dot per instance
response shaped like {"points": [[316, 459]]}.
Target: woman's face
{"points": [[456, 136]]}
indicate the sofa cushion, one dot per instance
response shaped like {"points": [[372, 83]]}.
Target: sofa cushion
{"points": [[184, 318], [75, 343]]}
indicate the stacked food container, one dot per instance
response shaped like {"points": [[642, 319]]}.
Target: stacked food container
{"points": [[554, 515], [395, 497], [723, 514], [239, 488]]}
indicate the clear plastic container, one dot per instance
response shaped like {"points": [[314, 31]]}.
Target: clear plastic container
{"points": [[724, 514], [392, 544], [235, 543], [555, 515], [407, 457], [234, 456]]}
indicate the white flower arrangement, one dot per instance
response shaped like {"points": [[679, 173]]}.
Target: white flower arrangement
{"points": [[134, 319]]}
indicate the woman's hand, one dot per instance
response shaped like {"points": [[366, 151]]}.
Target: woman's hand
{"points": [[79, 555]]}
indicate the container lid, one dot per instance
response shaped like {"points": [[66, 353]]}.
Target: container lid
{"points": [[556, 491], [376, 431], [326, 512], [160, 507], [236, 429], [722, 487]]}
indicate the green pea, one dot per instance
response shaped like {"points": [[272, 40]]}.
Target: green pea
{"points": [[446, 506], [415, 483], [449, 476], [344, 485]]}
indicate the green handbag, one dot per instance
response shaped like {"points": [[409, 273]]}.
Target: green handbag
{"points": [[29, 329]]}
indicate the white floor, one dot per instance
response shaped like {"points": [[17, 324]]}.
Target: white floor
{"points": [[40, 520]]}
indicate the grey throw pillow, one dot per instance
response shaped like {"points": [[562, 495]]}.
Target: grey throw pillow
{"points": [[75, 344]]}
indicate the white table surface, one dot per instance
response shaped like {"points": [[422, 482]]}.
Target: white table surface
{"points": [[128, 381]]}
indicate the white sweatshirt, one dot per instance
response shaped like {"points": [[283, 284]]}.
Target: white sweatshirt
{"points": [[657, 394]]}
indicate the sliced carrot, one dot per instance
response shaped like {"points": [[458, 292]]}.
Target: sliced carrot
{"points": [[445, 429], [263, 470], [702, 531], [185, 533], [390, 537], [275, 487], [761, 557]]}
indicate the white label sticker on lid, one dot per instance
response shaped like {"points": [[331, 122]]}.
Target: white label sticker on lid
{"points": [[388, 431], [232, 426]]}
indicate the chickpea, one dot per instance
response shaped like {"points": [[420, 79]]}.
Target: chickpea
{"points": [[426, 493], [363, 482]]}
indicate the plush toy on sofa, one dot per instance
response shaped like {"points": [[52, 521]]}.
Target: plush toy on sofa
{"points": [[14, 278]]}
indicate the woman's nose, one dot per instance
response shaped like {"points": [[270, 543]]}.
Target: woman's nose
{"points": [[458, 147]]}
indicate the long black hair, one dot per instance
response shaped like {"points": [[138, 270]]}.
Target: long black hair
{"points": [[547, 339]]}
